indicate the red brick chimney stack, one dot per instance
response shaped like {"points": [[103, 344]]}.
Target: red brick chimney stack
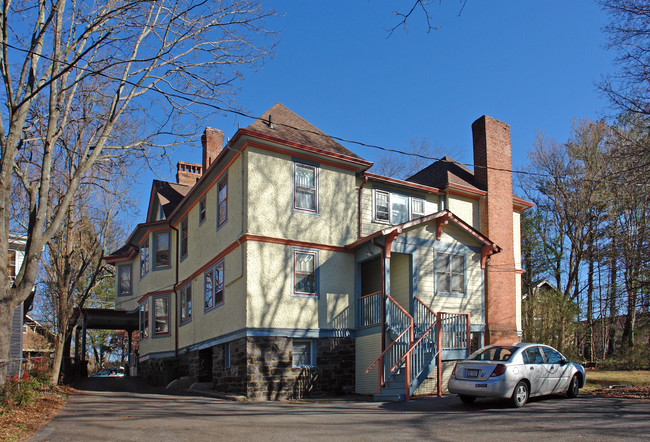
{"points": [[492, 172], [187, 174], [212, 141]]}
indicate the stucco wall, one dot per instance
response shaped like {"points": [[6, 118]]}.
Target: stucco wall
{"points": [[270, 201], [271, 302]]}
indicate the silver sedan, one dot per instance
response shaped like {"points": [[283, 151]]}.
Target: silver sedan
{"points": [[517, 372]]}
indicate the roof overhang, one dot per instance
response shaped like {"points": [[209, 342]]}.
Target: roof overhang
{"points": [[401, 183]]}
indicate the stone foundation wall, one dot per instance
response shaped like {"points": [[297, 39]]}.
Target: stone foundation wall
{"points": [[230, 379], [271, 376]]}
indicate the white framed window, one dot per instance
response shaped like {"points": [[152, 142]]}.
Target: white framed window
{"points": [[11, 265], [222, 201], [305, 187], [305, 263], [144, 258], [382, 206], [144, 320], [124, 280], [399, 209], [213, 294], [202, 210], [417, 207], [303, 353], [450, 274], [161, 315], [185, 309]]}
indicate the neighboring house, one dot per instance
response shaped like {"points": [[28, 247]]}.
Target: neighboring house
{"points": [[38, 340], [15, 257], [280, 267]]}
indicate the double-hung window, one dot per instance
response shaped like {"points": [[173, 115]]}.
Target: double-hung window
{"points": [[222, 201], [184, 238], [382, 206], [124, 280], [302, 353], [186, 304], [450, 274], [417, 207], [305, 263], [213, 286], [161, 250], [161, 315], [392, 208], [305, 187], [144, 258], [144, 320]]}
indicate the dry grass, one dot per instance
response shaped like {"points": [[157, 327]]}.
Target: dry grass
{"points": [[22, 422]]}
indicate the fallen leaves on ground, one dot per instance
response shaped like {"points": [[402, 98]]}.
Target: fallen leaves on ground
{"points": [[624, 392], [23, 422]]}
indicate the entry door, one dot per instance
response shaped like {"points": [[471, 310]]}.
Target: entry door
{"points": [[534, 369], [371, 278]]}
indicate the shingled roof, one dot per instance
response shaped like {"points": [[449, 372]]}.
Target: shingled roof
{"points": [[280, 122], [442, 173], [170, 195]]}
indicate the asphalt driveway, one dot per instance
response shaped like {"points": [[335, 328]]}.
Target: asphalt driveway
{"points": [[127, 409]]}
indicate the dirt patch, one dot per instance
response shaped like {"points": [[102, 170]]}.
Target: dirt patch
{"points": [[624, 392], [23, 422]]}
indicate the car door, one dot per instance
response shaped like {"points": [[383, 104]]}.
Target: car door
{"points": [[557, 373], [534, 369]]}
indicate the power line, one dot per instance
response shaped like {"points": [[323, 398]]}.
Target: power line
{"points": [[194, 100]]}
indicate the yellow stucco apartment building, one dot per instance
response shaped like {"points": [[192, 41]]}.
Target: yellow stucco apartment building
{"points": [[280, 267]]}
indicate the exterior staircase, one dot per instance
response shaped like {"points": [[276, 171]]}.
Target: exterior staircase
{"points": [[415, 349]]}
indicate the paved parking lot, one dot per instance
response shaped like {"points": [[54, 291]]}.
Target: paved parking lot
{"points": [[126, 409]]}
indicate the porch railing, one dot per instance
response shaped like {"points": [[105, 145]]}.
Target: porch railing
{"points": [[455, 331], [370, 309]]}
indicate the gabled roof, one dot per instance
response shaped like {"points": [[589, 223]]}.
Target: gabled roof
{"points": [[282, 123], [169, 196], [443, 172]]}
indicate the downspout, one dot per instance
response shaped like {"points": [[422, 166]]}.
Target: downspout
{"points": [[363, 183], [176, 293], [383, 291]]}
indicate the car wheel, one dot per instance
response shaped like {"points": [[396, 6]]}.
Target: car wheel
{"points": [[467, 399], [574, 387], [520, 395]]}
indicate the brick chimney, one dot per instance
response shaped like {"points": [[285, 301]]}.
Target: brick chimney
{"points": [[188, 174], [212, 141], [492, 172]]}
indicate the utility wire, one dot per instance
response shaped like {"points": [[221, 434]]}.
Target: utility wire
{"points": [[194, 100]]}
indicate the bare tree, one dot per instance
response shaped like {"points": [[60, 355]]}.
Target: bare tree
{"points": [[423, 8], [90, 67], [629, 36]]}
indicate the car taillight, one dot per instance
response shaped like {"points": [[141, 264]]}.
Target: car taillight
{"points": [[498, 370], [453, 372]]}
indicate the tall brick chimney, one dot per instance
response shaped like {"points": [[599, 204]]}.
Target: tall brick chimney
{"points": [[492, 172], [212, 141]]}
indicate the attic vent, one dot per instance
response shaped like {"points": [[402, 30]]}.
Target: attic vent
{"points": [[270, 123]]}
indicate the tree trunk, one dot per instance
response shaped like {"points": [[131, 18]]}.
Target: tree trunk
{"points": [[58, 357]]}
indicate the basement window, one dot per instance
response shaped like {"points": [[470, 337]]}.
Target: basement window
{"points": [[303, 353]]}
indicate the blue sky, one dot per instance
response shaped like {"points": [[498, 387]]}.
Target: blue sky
{"points": [[532, 64]]}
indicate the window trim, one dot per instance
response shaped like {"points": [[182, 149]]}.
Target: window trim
{"points": [[374, 201], [316, 169], [182, 300], [312, 353], [223, 180], [154, 316], [314, 253], [120, 267], [451, 294], [415, 214], [143, 326], [213, 270], [155, 250], [184, 243]]}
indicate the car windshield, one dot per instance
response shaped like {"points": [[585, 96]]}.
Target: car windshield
{"points": [[497, 353]]}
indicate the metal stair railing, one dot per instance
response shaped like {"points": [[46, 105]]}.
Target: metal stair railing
{"points": [[400, 346]]}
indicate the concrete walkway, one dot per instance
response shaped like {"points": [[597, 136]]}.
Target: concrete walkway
{"points": [[127, 409]]}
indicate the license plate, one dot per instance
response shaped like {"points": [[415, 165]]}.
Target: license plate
{"points": [[471, 373], [480, 385]]}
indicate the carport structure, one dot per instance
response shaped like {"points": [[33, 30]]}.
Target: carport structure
{"points": [[97, 319]]}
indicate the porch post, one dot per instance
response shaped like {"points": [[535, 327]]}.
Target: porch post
{"points": [[129, 333], [439, 354]]}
